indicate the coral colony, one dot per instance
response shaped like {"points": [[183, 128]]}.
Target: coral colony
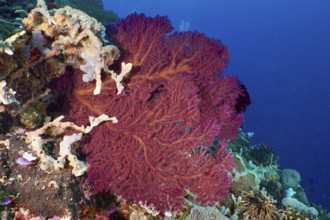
{"points": [[146, 119], [156, 153]]}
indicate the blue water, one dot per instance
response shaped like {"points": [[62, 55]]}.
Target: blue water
{"points": [[281, 51]]}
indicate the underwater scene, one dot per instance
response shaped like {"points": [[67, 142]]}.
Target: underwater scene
{"points": [[176, 110]]}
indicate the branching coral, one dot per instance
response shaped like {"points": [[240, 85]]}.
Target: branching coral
{"points": [[48, 163], [258, 205], [77, 36]]}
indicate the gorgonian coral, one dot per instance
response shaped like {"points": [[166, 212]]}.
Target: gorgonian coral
{"points": [[175, 103]]}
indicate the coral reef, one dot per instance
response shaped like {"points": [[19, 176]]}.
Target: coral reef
{"points": [[76, 36], [12, 12], [150, 118], [257, 187]]}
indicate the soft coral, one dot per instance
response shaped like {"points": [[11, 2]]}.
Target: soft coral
{"points": [[167, 116]]}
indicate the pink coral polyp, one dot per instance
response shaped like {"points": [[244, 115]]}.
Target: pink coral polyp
{"points": [[157, 152]]}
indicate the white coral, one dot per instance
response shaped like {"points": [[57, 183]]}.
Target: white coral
{"points": [[78, 37], [7, 96], [289, 201], [47, 162], [125, 69], [6, 45]]}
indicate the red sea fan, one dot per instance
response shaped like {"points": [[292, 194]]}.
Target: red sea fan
{"points": [[145, 43], [158, 150], [224, 100], [149, 155]]}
